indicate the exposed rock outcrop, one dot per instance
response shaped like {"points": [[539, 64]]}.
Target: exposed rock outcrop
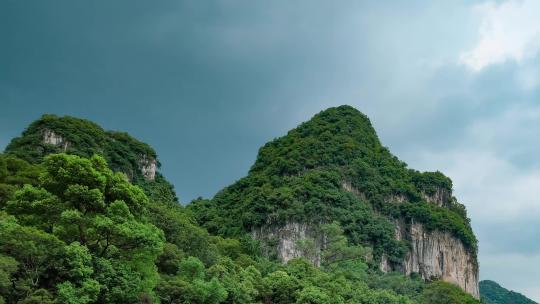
{"points": [[347, 185], [148, 167], [51, 138], [441, 197], [396, 198], [437, 255], [433, 254], [286, 240], [440, 255]]}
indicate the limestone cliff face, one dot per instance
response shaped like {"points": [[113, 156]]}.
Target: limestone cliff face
{"points": [[147, 164], [436, 255], [148, 167], [51, 138], [441, 197], [285, 241], [433, 254]]}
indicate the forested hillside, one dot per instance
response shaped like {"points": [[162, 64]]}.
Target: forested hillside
{"points": [[86, 217], [333, 169], [493, 293]]}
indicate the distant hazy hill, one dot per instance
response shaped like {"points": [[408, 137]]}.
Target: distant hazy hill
{"points": [[493, 293]]}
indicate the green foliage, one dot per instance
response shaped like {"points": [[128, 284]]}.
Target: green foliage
{"points": [[14, 173], [443, 219], [191, 286], [430, 182], [439, 292], [409, 286], [74, 231], [81, 137], [81, 234], [333, 168], [493, 293]]}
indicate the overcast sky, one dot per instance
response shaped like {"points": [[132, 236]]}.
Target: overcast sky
{"points": [[449, 85]]}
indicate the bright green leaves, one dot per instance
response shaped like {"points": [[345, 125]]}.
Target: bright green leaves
{"points": [[81, 288], [35, 206], [87, 292], [191, 269], [62, 171], [82, 198], [78, 261], [314, 295], [80, 225], [280, 287], [439, 292], [119, 189], [190, 285]]}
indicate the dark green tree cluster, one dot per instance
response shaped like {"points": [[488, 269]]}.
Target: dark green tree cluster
{"points": [[14, 173], [85, 138]]}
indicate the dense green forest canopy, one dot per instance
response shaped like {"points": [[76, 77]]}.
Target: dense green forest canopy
{"points": [[75, 227]]}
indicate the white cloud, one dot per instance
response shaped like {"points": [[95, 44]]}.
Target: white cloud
{"points": [[508, 31], [493, 189], [499, 191]]}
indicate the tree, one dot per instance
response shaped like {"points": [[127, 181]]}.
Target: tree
{"points": [[82, 233], [439, 292], [280, 288]]}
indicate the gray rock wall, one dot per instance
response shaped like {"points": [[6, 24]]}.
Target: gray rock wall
{"points": [[148, 167], [436, 255], [51, 138], [284, 241]]}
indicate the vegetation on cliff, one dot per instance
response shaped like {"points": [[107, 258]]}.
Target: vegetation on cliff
{"points": [[85, 138], [76, 227], [304, 177]]}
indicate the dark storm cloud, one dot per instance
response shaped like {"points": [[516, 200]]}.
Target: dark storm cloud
{"points": [[205, 83]]}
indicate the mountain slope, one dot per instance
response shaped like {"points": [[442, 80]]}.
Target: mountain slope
{"points": [[74, 231], [333, 168], [53, 134], [493, 293]]}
